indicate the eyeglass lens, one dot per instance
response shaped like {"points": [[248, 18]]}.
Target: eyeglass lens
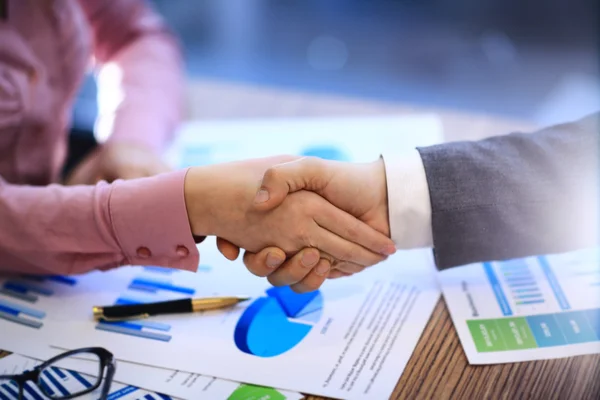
{"points": [[59, 380]]}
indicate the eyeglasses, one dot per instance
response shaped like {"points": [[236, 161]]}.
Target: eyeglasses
{"points": [[54, 380]]}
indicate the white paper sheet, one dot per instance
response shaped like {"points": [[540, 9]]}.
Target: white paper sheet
{"points": [[526, 309], [64, 383], [16, 363], [357, 341], [351, 139]]}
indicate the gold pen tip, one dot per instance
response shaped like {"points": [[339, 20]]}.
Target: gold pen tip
{"points": [[98, 312], [241, 299]]}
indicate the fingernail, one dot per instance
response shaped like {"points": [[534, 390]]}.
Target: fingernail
{"points": [[273, 260], [388, 250], [309, 258], [261, 196], [322, 269]]}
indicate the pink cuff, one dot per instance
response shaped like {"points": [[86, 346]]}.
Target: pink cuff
{"points": [[150, 222]]}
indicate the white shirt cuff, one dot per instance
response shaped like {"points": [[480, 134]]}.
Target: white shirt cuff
{"points": [[409, 206]]}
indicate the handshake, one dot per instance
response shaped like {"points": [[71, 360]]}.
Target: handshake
{"points": [[300, 220]]}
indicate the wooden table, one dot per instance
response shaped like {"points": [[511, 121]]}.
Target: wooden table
{"points": [[438, 368]]}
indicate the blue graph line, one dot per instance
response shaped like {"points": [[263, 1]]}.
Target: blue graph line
{"points": [[46, 387], [152, 286], [117, 327], [526, 290], [529, 296], [19, 309], [80, 378], [11, 391], [30, 298], [497, 289], [159, 270], [32, 392], [59, 372], [554, 284], [23, 287], [56, 383], [3, 396], [122, 392], [67, 280], [531, 302]]}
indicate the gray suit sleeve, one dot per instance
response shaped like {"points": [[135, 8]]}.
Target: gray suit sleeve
{"points": [[516, 195]]}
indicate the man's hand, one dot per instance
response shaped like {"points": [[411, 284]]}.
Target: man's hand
{"points": [[114, 161], [219, 200], [359, 189]]}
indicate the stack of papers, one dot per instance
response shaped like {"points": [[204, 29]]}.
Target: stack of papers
{"points": [[351, 339], [526, 309]]}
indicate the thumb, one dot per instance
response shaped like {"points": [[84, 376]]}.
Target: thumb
{"points": [[309, 173]]}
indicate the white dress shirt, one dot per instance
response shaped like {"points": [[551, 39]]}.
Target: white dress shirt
{"points": [[409, 205]]}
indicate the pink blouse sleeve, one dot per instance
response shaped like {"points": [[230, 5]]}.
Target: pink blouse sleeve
{"points": [[140, 72], [66, 230]]}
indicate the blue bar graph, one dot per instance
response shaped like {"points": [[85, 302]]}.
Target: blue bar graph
{"points": [[152, 285], [554, 284], [24, 291], [136, 328], [65, 280], [32, 391], [47, 375], [121, 393], [497, 288], [86, 384], [538, 301], [159, 270], [529, 296], [14, 312], [523, 286], [11, 390]]}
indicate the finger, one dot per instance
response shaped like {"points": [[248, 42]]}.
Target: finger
{"points": [[352, 229], [335, 274], [348, 267], [228, 249], [296, 268], [309, 173], [344, 250], [314, 279], [265, 262], [342, 266]]}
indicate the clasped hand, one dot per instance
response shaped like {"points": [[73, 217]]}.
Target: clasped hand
{"points": [[309, 220]]}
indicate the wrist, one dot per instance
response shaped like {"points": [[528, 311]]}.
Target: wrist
{"points": [[379, 179], [201, 215]]}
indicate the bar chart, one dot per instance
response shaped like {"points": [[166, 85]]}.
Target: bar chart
{"points": [[139, 328], [20, 314], [156, 285], [521, 282], [30, 287]]}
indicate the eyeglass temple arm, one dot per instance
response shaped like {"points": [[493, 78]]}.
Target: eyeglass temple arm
{"points": [[110, 373]]}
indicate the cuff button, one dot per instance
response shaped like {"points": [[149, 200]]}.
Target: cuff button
{"points": [[143, 252], [182, 251]]}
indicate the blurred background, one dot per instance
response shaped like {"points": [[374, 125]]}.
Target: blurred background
{"points": [[522, 59]]}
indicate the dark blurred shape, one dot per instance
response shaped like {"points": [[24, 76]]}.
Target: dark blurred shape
{"points": [[478, 55], [501, 57]]}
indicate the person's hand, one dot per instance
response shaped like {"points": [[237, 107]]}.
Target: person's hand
{"points": [[117, 160], [359, 189], [219, 200]]}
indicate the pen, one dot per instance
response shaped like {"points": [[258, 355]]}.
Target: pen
{"points": [[145, 310]]}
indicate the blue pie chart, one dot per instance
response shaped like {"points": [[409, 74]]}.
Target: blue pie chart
{"points": [[276, 323]]}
